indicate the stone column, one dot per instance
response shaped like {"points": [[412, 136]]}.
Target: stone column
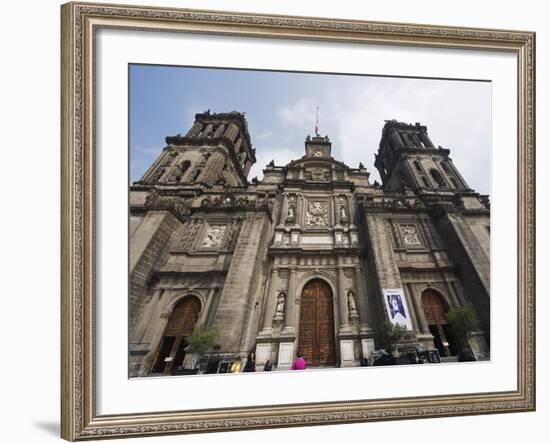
{"points": [[195, 130], [452, 295], [412, 310], [290, 307], [336, 209], [207, 130], [206, 309], [213, 167], [238, 144], [147, 316], [343, 301], [271, 302], [458, 293], [362, 301], [232, 131], [219, 132], [299, 209], [422, 324], [351, 209]]}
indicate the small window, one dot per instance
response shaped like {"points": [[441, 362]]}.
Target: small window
{"points": [[426, 182], [417, 166]]}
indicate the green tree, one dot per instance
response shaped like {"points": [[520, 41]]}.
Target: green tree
{"points": [[463, 321], [393, 334], [200, 342]]}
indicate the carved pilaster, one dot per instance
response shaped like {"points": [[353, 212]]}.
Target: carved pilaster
{"points": [[290, 302], [343, 301], [362, 301], [351, 209], [271, 302], [335, 208], [419, 311], [412, 310], [195, 130], [299, 208]]}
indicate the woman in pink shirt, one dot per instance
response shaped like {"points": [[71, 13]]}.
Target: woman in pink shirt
{"points": [[299, 363]]}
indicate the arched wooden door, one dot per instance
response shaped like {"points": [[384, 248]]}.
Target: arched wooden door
{"points": [[171, 350], [436, 317], [316, 329]]}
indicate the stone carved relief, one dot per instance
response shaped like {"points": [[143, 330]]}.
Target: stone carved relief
{"points": [[410, 235], [317, 174], [317, 213], [290, 214], [351, 305], [189, 233], [233, 235], [213, 237]]}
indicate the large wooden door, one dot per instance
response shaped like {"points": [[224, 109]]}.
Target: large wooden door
{"points": [[436, 317], [171, 350], [316, 333]]}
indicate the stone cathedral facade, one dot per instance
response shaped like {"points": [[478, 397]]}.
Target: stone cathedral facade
{"points": [[312, 258]]}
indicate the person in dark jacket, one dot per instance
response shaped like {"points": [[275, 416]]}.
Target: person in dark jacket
{"points": [[250, 365], [268, 366]]}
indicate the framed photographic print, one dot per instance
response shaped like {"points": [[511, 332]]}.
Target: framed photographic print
{"points": [[283, 221]]}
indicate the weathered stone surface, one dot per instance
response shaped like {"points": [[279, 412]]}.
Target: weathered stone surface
{"points": [[199, 229]]}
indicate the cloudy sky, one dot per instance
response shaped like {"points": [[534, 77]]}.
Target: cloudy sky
{"points": [[280, 109]]}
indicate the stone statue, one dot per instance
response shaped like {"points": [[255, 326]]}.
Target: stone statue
{"points": [[280, 308], [343, 214], [351, 304], [290, 214], [280, 303]]}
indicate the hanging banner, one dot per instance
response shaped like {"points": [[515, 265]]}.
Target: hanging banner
{"points": [[396, 307]]}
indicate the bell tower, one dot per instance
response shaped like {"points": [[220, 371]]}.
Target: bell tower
{"points": [[407, 158], [216, 150], [318, 147]]}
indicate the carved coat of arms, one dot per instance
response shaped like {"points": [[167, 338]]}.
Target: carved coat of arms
{"points": [[317, 213], [213, 237]]}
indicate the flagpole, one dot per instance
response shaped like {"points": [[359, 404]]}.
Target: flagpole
{"points": [[317, 122]]}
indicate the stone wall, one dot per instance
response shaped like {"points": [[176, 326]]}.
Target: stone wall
{"points": [[147, 245], [238, 294]]}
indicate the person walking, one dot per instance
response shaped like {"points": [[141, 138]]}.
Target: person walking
{"points": [[299, 363], [268, 366], [250, 365], [236, 365]]}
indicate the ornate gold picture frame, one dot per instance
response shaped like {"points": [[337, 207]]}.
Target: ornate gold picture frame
{"points": [[80, 23]]}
